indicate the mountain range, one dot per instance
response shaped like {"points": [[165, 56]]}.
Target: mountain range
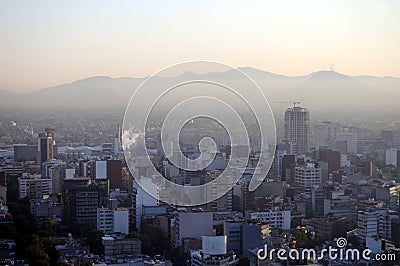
{"points": [[326, 90]]}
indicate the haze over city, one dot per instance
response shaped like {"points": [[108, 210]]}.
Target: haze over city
{"points": [[207, 133], [47, 43]]}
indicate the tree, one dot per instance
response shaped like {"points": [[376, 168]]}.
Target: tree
{"points": [[37, 256], [94, 240], [48, 227], [244, 261], [154, 239]]}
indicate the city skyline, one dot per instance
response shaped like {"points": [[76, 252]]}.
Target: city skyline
{"points": [[50, 44], [199, 133]]}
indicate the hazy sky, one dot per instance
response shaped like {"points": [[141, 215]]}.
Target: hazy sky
{"points": [[45, 43]]}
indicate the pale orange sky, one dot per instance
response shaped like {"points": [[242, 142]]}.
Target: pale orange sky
{"points": [[46, 43]]}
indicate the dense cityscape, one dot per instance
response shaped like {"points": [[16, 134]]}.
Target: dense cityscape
{"points": [[69, 198]]}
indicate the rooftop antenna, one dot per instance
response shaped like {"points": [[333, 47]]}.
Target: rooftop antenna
{"points": [[294, 103], [331, 67]]}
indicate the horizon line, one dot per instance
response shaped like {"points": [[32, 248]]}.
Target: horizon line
{"points": [[199, 74]]}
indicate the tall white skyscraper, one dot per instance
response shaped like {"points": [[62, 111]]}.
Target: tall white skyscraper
{"points": [[297, 129]]}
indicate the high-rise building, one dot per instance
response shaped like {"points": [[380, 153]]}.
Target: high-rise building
{"points": [[325, 133], [396, 138], [308, 176], [56, 171], [46, 145], [393, 157], [34, 186], [288, 165], [141, 198], [389, 194], [3, 187], [297, 129], [332, 158], [375, 222], [114, 173], [351, 141], [184, 228], [81, 200], [387, 135], [113, 221], [100, 175]]}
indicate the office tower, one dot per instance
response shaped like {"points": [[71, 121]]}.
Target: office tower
{"points": [[114, 173], [332, 158], [248, 197], [389, 194], [326, 133], [393, 157], [101, 179], [25, 152], [387, 135], [351, 141], [56, 171], [34, 186], [395, 232], [141, 198], [222, 204], [375, 222], [184, 225], [46, 145], [396, 138], [288, 165], [81, 200], [297, 129], [113, 220], [308, 176], [275, 172], [251, 237], [233, 231], [3, 187]]}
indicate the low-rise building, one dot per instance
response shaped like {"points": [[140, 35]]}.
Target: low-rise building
{"points": [[34, 186], [375, 222], [120, 245], [213, 253], [113, 221], [43, 208], [184, 225], [274, 218]]}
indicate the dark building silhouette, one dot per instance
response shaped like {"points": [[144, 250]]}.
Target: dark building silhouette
{"points": [[24, 152], [114, 173], [288, 165], [46, 145], [332, 158], [395, 224], [81, 200]]}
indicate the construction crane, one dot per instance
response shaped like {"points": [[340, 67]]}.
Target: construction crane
{"points": [[294, 103]]}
